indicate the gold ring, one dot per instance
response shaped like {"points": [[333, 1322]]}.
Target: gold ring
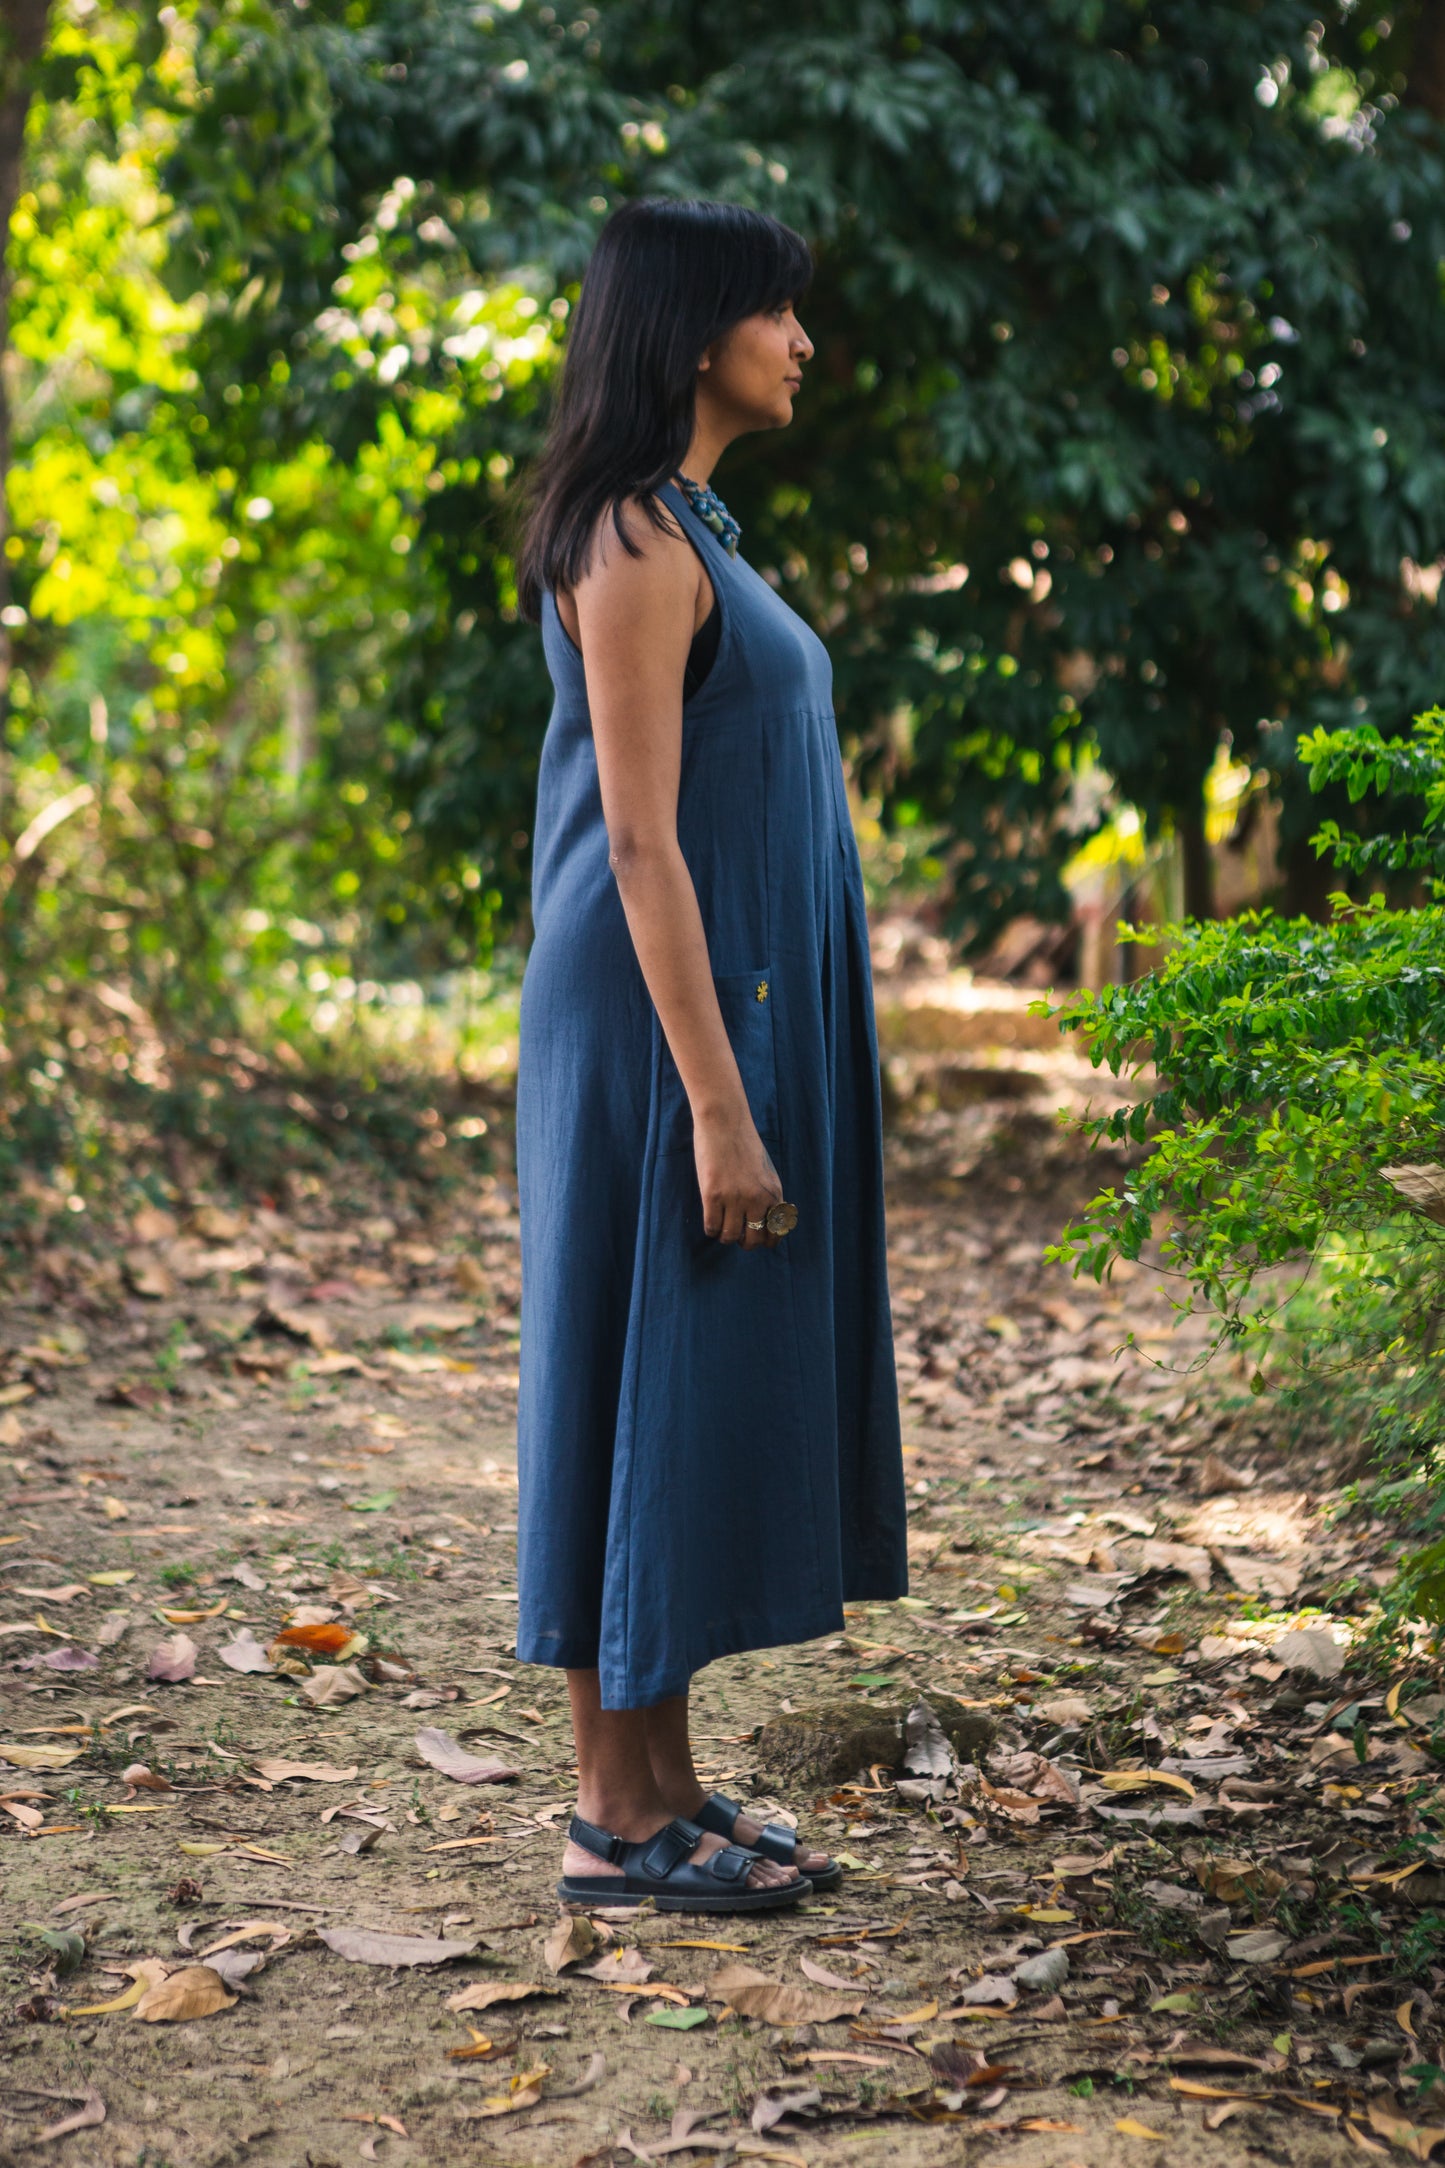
{"points": [[755, 1227], [781, 1218]]}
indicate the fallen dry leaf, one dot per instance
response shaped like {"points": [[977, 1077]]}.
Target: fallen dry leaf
{"points": [[245, 1653], [1130, 2128], [438, 1317], [770, 2109], [752, 1994], [570, 1940], [1216, 1477], [173, 1660], [481, 2049], [278, 1772], [1260, 1946], [442, 1752], [592, 2076], [524, 2092], [249, 1931], [1140, 1780], [195, 1991], [1186, 1558], [145, 1975], [66, 1659], [328, 1638], [626, 1966], [1259, 1576], [39, 1757], [331, 1684], [1386, 2121], [87, 2116], [483, 1994], [369, 1946], [1014, 1806], [1312, 1650], [140, 1778], [1232, 1880]]}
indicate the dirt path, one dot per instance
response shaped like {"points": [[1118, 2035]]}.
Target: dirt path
{"points": [[265, 1418]]}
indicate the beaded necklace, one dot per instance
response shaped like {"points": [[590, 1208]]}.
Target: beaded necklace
{"points": [[713, 513]]}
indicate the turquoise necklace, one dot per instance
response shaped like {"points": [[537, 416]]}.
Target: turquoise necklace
{"points": [[713, 513]]}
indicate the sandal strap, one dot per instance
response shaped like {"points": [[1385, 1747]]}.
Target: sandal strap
{"points": [[669, 1848], [776, 1842], [599, 1842], [731, 1864]]}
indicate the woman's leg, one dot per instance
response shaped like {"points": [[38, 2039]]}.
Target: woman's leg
{"points": [[616, 1787], [669, 1749]]}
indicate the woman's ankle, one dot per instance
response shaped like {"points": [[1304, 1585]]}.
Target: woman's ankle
{"points": [[631, 1815], [684, 1795]]}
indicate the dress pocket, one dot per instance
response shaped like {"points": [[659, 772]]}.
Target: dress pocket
{"points": [[746, 1001]]}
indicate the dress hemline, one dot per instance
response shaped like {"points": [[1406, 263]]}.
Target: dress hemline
{"points": [[737, 1638]]}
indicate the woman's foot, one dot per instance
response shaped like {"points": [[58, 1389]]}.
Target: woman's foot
{"points": [[635, 1825], [746, 1832]]}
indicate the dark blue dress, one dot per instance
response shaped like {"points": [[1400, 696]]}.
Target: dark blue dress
{"points": [[708, 1438]]}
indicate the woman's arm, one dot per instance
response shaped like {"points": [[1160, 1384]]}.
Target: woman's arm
{"points": [[635, 617]]}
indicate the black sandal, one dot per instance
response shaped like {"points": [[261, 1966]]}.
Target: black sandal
{"points": [[659, 1867], [718, 1814]]}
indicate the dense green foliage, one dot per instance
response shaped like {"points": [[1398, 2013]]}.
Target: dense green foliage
{"points": [[1296, 1116], [1131, 311], [1125, 431]]}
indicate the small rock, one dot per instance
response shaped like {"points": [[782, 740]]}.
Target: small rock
{"points": [[830, 1745]]}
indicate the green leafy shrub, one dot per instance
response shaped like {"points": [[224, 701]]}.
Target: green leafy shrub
{"points": [[1293, 1131]]}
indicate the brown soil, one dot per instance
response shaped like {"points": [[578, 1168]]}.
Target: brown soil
{"points": [[355, 1454]]}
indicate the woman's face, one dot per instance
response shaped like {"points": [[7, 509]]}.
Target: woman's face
{"points": [[752, 373]]}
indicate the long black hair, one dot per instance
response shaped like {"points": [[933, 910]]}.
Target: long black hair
{"points": [[664, 281]]}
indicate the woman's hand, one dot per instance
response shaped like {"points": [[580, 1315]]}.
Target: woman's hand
{"points": [[737, 1179]]}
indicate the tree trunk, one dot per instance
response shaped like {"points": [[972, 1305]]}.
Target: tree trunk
{"points": [[1425, 78], [1197, 864], [22, 40]]}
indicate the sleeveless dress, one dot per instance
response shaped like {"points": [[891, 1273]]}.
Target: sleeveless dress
{"points": [[708, 1440]]}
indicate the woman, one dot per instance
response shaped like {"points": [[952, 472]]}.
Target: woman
{"points": [[708, 1443]]}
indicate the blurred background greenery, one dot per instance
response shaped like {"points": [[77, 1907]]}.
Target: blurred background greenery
{"points": [[1120, 469]]}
